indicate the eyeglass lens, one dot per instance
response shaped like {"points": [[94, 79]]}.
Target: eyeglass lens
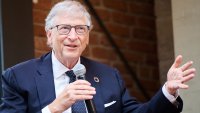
{"points": [[65, 29]]}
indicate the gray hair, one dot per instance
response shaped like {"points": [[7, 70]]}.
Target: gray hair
{"points": [[68, 7]]}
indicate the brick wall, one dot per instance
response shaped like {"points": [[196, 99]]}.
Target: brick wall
{"points": [[131, 23]]}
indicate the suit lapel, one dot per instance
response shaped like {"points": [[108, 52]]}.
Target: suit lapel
{"points": [[45, 82], [90, 76]]}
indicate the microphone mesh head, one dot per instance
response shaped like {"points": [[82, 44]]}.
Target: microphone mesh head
{"points": [[80, 71]]}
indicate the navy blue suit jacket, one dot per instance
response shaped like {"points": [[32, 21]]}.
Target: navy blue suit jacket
{"points": [[29, 86]]}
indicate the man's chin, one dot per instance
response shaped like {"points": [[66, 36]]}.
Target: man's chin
{"points": [[71, 56]]}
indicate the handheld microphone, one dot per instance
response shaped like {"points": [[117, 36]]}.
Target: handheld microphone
{"points": [[80, 74]]}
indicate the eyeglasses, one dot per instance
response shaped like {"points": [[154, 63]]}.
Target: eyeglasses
{"points": [[64, 29]]}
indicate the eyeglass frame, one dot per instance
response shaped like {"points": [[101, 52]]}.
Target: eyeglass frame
{"points": [[88, 28]]}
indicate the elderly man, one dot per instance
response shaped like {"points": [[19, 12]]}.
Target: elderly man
{"points": [[47, 84]]}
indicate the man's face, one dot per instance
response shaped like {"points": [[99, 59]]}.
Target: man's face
{"points": [[70, 46]]}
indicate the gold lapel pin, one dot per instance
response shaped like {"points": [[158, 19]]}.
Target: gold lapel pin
{"points": [[96, 79]]}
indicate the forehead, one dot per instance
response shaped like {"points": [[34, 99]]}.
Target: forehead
{"points": [[71, 19]]}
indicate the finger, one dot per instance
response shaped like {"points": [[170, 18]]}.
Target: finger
{"points": [[83, 87], [81, 82], [186, 65], [183, 86], [79, 87], [189, 71], [84, 97], [177, 61], [73, 97], [187, 78], [84, 92]]}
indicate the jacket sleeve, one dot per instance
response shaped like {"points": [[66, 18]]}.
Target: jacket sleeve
{"points": [[157, 104], [12, 100]]}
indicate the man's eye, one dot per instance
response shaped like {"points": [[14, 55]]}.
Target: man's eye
{"points": [[80, 28], [65, 27]]}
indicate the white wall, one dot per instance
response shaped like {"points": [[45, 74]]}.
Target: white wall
{"points": [[186, 28]]}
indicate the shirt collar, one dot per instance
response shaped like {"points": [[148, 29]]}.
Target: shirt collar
{"points": [[58, 68]]}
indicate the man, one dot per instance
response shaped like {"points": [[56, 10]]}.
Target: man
{"points": [[42, 85]]}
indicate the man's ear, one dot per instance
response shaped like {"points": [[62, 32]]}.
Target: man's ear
{"points": [[87, 41], [48, 33], [49, 38]]}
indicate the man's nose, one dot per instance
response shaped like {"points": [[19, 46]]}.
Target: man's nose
{"points": [[72, 35]]}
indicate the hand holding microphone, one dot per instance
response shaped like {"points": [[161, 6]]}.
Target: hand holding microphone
{"points": [[75, 91]]}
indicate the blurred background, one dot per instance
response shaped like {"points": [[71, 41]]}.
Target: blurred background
{"points": [[140, 38]]}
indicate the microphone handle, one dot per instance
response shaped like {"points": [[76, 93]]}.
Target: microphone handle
{"points": [[89, 103], [90, 106]]}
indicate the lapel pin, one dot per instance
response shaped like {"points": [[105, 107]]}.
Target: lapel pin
{"points": [[96, 79]]}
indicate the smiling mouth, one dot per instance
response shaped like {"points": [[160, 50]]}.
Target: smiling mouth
{"points": [[71, 46]]}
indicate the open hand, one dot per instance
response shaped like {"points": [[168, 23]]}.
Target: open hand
{"points": [[178, 75]]}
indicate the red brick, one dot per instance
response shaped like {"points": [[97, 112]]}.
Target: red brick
{"points": [[137, 94], [86, 52], [144, 1], [145, 72], [133, 57], [129, 82], [120, 66], [118, 30], [103, 14], [39, 16], [119, 5], [56, 1], [96, 26], [142, 46], [150, 85], [146, 22], [43, 5], [123, 18], [95, 2], [103, 53], [104, 41], [40, 44], [141, 8], [39, 31], [151, 59], [39, 53], [94, 38], [121, 43], [145, 34]]}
